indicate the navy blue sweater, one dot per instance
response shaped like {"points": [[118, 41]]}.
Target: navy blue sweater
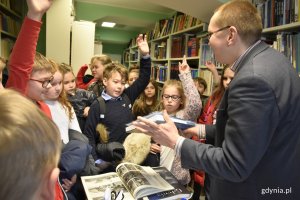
{"points": [[117, 113]]}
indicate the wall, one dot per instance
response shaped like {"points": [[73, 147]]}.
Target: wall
{"points": [[114, 40], [58, 28]]}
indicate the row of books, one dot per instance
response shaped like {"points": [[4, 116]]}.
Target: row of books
{"points": [[160, 50], [14, 5], [278, 12], [6, 46], [159, 72], [186, 44], [289, 44], [9, 25], [178, 22]]}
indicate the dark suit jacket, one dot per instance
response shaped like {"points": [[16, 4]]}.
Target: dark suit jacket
{"points": [[256, 154]]}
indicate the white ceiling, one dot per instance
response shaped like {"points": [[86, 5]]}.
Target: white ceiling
{"points": [[202, 9], [132, 4]]}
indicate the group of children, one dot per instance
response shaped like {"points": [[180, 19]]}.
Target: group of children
{"points": [[77, 113]]}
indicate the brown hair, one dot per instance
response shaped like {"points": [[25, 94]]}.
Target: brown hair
{"points": [[219, 91], [201, 81], [30, 146], [243, 16], [140, 107], [115, 67]]}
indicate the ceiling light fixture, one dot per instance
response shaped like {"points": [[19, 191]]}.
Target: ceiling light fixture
{"points": [[108, 24]]}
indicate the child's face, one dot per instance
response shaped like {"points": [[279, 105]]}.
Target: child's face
{"points": [[171, 99], [228, 76], [149, 90], [132, 76], [57, 87], [199, 87], [97, 69], [69, 83], [36, 91], [115, 85]]}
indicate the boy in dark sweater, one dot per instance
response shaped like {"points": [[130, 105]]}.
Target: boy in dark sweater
{"points": [[117, 110]]}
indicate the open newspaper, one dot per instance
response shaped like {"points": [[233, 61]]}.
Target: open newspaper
{"points": [[158, 118], [136, 182]]}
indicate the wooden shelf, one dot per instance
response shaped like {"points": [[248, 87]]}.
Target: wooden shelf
{"points": [[9, 12], [287, 27]]}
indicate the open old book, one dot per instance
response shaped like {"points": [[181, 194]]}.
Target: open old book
{"points": [[136, 182], [158, 118]]}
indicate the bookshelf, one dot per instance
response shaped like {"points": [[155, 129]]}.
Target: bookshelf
{"points": [[173, 38], [169, 41], [10, 24], [281, 23]]}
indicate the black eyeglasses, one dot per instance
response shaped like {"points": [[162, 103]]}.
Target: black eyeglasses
{"points": [[173, 97], [44, 83], [221, 29]]}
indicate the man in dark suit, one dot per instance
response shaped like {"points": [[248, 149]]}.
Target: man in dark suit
{"points": [[256, 149]]}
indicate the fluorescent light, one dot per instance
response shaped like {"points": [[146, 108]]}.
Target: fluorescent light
{"points": [[108, 24]]}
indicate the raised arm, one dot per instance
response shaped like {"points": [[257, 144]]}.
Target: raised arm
{"points": [[23, 53], [145, 70], [194, 104], [212, 67], [37, 8]]}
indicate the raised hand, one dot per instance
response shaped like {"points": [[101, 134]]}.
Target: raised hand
{"points": [[143, 44], [37, 8], [183, 67], [210, 66]]}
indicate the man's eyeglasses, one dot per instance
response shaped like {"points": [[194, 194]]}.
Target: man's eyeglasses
{"points": [[221, 29], [173, 97], [44, 83]]}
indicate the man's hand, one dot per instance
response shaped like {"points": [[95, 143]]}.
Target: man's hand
{"points": [[190, 132], [142, 43], [165, 134], [37, 8]]}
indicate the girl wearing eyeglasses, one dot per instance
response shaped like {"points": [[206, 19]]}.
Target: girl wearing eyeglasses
{"points": [[180, 99]]}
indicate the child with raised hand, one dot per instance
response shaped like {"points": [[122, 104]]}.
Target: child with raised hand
{"points": [[97, 66], [118, 101], [30, 73], [29, 137], [180, 99], [80, 99], [83, 81]]}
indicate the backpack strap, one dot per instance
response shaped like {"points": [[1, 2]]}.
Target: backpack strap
{"points": [[127, 100], [102, 107]]}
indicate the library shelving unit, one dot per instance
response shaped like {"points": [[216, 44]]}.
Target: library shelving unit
{"points": [[131, 55], [10, 23], [169, 41], [125, 57], [281, 22], [168, 50]]}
